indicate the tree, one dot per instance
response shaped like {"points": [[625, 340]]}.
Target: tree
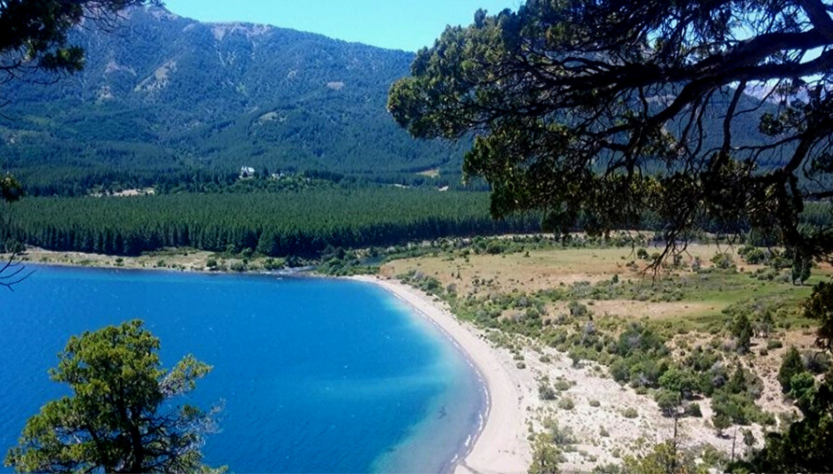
{"points": [[765, 324], [668, 401], [664, 458], [120, 416], [33, 37], [721, 421], [34, 33], [820, 308], [545, 457], [790, 367], [802, 387], [805, 446], [600, 112], [737, 382], [801, 269], [742, 330]]}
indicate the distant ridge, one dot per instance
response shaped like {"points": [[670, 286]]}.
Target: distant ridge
{"points": [[164, 92]]}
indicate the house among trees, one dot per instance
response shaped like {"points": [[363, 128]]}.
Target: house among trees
{"points": [[247, 172]]}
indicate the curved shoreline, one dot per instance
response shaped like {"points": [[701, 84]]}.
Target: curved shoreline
{"points": [[500, 445]]}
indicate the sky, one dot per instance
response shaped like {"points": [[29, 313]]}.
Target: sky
{"points": [[394, 24]]}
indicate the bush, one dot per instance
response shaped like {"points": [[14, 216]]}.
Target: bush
{"points": [[562, 385], [668, 401], [816, 362], [693, 409], [742, 330], [630, 413], [696, 265], [721, 421], [560, 436], [791, 366], [495, 248], [545, 458], [566, 403], [546, 392], [774, 344], [595, 403], [801, 386], [679, 381], [723, 261], [577, 309]]}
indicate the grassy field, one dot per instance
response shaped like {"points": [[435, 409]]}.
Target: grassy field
{"points": [[697, 298], [601, 304]]}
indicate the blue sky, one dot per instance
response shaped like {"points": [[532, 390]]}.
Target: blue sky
{"points": [[396, 24]]}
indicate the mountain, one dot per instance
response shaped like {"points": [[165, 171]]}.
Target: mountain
{"points": [[161, 94]]}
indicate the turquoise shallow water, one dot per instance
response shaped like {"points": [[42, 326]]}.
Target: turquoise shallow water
{"points": [[315, 375]]}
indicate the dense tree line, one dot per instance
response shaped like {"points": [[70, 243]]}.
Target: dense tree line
{"points": [[300, 216], [278, 224]]}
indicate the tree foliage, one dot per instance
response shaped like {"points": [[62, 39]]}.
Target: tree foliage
{"points": [[34, 34], [790, 367], [603, 108], [545, 458], [115, 123], [664, 458], [279, 224], [805, 446], [120, 416], [820, 308]]}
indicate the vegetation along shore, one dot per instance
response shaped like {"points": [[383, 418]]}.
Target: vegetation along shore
{"points": [[582, 346]]}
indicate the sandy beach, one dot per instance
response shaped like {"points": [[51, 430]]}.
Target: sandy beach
{"points": [[501, 446], [597, 422]]}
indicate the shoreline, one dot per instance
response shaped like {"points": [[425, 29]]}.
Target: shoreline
{"points": [[500, 445]]}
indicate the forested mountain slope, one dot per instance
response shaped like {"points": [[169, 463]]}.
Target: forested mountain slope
{"points": [[164, 93]]}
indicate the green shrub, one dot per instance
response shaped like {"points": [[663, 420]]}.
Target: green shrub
{"points": [[595, 403], [723, 261], [630, 413], [791, 366], [668, 401], [693, 409], [560, 436], [742, 330], [562, 385], [801, 387], [566, 403]]}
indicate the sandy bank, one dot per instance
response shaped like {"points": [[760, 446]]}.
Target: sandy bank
{"points": [[501, 446]]}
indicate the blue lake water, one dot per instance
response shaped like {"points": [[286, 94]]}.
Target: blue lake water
{"points": [[314, 375]]}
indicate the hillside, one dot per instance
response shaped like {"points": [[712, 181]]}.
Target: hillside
{"points": [[164, 94]]}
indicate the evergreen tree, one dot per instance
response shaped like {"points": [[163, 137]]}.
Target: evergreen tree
{"points": [[120, 416], [742, 330], [805, 445], [791, 366]]}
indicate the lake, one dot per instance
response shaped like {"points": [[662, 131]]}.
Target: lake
{"points": [[314, 375]]}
